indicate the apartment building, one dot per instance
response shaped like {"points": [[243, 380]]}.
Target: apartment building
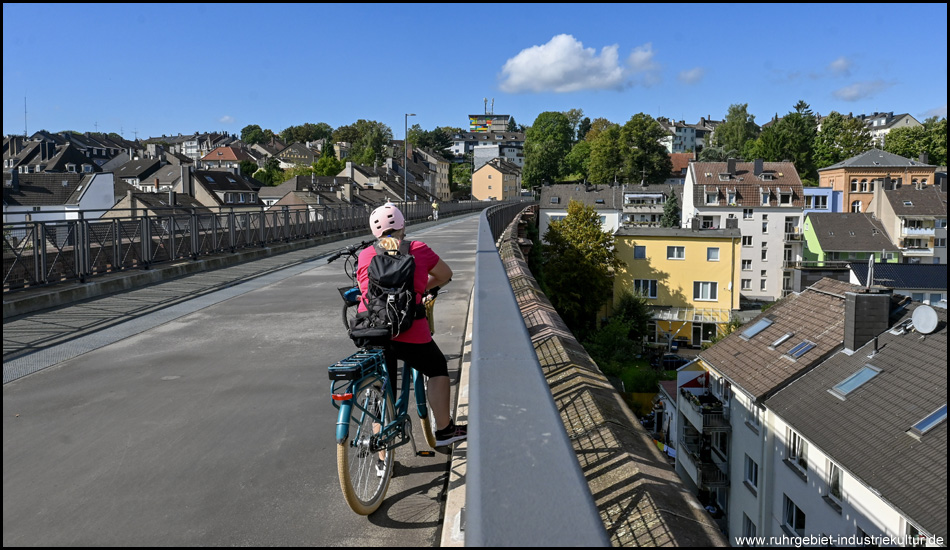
{"points": [[858, 177], [913, 216], [767, 200], [605, 199], [496, 180]]}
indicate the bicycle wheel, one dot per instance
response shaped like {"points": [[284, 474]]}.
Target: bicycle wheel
{"points": [[427, 431], [363, 486], [349, 313]]}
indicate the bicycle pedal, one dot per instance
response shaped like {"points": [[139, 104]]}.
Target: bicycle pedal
{"points": [[427, 454]]}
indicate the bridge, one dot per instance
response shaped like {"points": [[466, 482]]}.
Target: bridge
{"points": [[187, 403]]}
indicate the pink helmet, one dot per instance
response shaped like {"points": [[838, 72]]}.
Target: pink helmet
{"points": [[385, 218]]}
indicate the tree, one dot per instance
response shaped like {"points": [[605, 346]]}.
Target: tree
{"points": [[583, 128], [606, 162], [736, 129], [546, 145], [597, 126], [579, 260], [512, 126], [577, 161], [930, 138], [644, 157], [672, 215], [840, 138], [248, 167], [306, 132], [252, 134], [717, 154], [328, 165], [574, 116], [367, 138]]}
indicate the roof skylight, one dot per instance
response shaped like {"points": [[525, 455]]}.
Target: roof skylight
{"points": [[756, 328], [854, 381], [801, 349], [930, 421]]}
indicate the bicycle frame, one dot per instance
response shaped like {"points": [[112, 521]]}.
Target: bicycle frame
{"points": [[370, 368]]}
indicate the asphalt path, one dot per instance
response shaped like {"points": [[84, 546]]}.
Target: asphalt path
{"points": [[215, 428]]}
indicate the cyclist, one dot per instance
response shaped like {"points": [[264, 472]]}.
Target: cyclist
{"points": [[415, 346]]}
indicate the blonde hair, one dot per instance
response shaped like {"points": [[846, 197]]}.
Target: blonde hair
{"points": [[389, 243]]}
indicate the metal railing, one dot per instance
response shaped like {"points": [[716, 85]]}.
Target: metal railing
{"points": [[524, 486], [90, 243]]}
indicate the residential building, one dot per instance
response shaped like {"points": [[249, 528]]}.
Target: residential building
{"points": [[139, 203], [857, 177], [881, 124], [217, 189], [704, 130], [912, 215], [689, 277], [925, 283], [645, 204], [384, 182], [496, 180], [488, 123], [32, 157], [834, 240], [767, 200], [228, 158], [744, 444], [680, 163], [137, 171], [680, 138], [295, 154], [822, 199], [48, 196], [859, 444], [440, 168], [484, 153], [606, 200], [464, 143]]}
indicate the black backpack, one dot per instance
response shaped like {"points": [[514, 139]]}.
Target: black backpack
{"points": [[390, 298]]}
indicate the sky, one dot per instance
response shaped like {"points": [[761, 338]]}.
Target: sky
{"points": [[146, 70]]}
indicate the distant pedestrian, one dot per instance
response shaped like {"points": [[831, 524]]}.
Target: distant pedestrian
{"points": [[435, 210]]}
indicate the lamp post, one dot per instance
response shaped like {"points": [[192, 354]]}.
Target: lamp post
{"points": [[405, 160]]}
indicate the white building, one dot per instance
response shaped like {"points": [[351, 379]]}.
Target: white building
{"points": [[768, 199], [607, 200]]}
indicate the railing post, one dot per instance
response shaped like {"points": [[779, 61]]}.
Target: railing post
{"points": [[145, 241], [39, 254]]}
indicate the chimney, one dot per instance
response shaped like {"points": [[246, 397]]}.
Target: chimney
{"points": [[866, 316], [757, 167], [694, 224], [187, 187], [348, 191], [14, 180], [731, 166], [924, 157], [156, 185]]}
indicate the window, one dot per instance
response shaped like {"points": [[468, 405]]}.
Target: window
{"points": [[756, 328], [705, 290], [712, 197], [639, 252], [765, 255], [675, 253], [930, 421], [555, 200], [940, 243], [762, 285], [793, 519], [785, 199], [645, 287], [856, 207], [801, 349], [834, 481], [746, 265], [765, 198], [855, 381], [746, 213], [712, 254], [746, 284], [747, 240], [748, 528], [820, 202], [751, 472], [935, 297], [797, 451]]}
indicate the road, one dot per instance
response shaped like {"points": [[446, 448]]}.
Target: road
{"points": [[215, 428]]}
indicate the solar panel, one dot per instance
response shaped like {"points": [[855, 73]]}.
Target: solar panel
{"points": [[801, 349]]}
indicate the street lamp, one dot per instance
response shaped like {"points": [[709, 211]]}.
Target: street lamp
{"points": [[405, 160]]}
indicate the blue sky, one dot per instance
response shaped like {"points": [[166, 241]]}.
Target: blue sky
{"points": [[144, 70]]}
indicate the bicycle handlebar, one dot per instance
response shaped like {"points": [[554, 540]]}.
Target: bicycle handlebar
{"points": [[350, 250]]}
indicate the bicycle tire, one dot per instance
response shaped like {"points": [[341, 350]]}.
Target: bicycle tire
{"points": [[362, 488], [349, 313], [427, 431]]}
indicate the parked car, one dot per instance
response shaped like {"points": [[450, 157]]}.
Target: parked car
{"points": [[669, 361]]}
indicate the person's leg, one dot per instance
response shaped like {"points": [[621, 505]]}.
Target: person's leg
{"points": [[429, 360]]}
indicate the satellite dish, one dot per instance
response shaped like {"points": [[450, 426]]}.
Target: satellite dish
{"points": [[925, 319]]}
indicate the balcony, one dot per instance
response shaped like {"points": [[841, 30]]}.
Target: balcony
{"points": [[917, 251], [699, 464], [917, 231], [793, 234], [818, 264], [704, 412]]}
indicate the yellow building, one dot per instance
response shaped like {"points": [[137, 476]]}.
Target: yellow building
{"points": [[497, 180], [688, 276]]}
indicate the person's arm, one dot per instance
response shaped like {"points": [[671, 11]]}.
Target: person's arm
{"points": [[440, 274]]}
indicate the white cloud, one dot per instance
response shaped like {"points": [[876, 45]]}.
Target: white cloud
{"points": [[692, 76], [860, 90], [562, 65], [840, 66], [939, 112], [642, 65], [226, 119]]}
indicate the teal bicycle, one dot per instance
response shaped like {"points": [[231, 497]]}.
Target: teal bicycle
{"points": [[373, 418]]}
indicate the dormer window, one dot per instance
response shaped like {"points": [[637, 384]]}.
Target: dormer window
{"points": [[725, 176], [766, 176], [555, 200], [712, 197], [765, 197]]}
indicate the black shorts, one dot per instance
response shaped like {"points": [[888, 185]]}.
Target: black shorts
{"points": [[426, 358]]}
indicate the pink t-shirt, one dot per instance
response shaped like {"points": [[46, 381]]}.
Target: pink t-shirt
{"points": [[426, 259]]}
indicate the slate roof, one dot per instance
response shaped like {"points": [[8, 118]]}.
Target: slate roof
{"points": [[866, 433], [926, 202], [138, 168], [850, 232], [904, 276], [502, 166], [159, 203], [677, 232], [875, 158], [611, 196], [817, 314], [747, 185], [40, 189]]}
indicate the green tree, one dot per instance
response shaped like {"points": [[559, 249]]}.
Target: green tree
{"points": [[840, 138], [248, 167], [368, 139], [306, 132], [635, 310], [577, 161], [583, 128], [252, 134], [717, 154], [606, 162], [512, 125], [328, 165], [644, 157], [546, 145], [910, 142], [270, 174], [671, 212], [579, 260], [597, 126], [736, 130], [574, 116]]}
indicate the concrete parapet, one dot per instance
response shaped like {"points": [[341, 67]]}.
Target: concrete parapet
{"points": [[640, 498]]}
